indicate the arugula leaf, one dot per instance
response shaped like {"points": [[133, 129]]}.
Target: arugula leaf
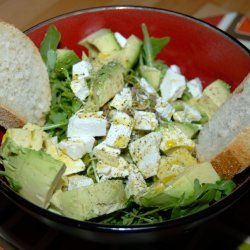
{"points": [[152, 46], [48, 47], [64, 104], [204, 195], [158, 44], [147, 46]]}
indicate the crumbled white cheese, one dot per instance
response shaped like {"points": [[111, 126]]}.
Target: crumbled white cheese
{"points": [[86, 124], [189, 114], [173, 85], [175, 68], [136, 185], [145, 120], [173, 137], [77, 181], [122, 100], [145, 153], [120, 39], [106, 171], [107, 154], [120, 130], [164, 109], [81, 69], [195, 87], [80, 88], [147, 87], [77, 148]]}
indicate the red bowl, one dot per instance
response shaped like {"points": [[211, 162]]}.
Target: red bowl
{"points": [[198, 48]]}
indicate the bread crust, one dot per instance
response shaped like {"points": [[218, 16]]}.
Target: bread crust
{"points": [[235, 157], [10, 119]]}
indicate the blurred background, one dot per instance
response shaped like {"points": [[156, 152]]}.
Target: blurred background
{"points": [[230, 230], [26, 13]]}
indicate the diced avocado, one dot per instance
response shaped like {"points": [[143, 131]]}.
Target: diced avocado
{"points": [[102, 40], [152, 75], [30, 136], [91, 201], [37, 173], [204, 172], [173, 137], [167, 196], [174, 164], [106, 83], [65, 60], [129, 55], [178, 105], [183, 184], [205, 105], [218, 91], [188, 129]]}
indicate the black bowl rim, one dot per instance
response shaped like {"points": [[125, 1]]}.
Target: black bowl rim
{"points": [[91, 226]]}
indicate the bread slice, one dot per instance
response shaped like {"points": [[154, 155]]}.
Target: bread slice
{"points": [[225, 139], [25, 93]]}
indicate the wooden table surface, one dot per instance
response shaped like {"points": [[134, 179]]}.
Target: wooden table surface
{"points": [[26, 13]]}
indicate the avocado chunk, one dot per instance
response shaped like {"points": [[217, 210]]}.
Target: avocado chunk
{"points": [[30, 136], [106, 83], [204, 105], [181, 185], [37, 173], [129, 55], [218, 91], [91, 201], [102, 40], [152, 75], [188, 129], [65, 60]]}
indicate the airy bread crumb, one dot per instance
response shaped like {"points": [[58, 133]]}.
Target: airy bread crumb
{"points": [[25, 88]]}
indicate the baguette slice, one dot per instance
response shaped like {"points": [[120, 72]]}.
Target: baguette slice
{"points": [[25, 93], [225, 139]]}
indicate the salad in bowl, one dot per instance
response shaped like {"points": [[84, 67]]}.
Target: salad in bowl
{"points": [[119, 143]]}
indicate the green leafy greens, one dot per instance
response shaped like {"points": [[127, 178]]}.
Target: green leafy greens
{"points": [[204, 195], [64, 103], [152, 46], [48, 47]]}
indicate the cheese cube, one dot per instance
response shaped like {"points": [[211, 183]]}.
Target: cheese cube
{"points": [[120, 130], [147, 87], [175, 68], [189, 114], [136, 185], [77, 148], [81, 69], [173, 85], [120, 39], [77, 181], [164, 109], [80, 89], [72, 167], [145, 153], [174, 164], [86, 124], [195, 87], [107, 154], [145, 120], [173, 137], [122, 100], [106, 171]]}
